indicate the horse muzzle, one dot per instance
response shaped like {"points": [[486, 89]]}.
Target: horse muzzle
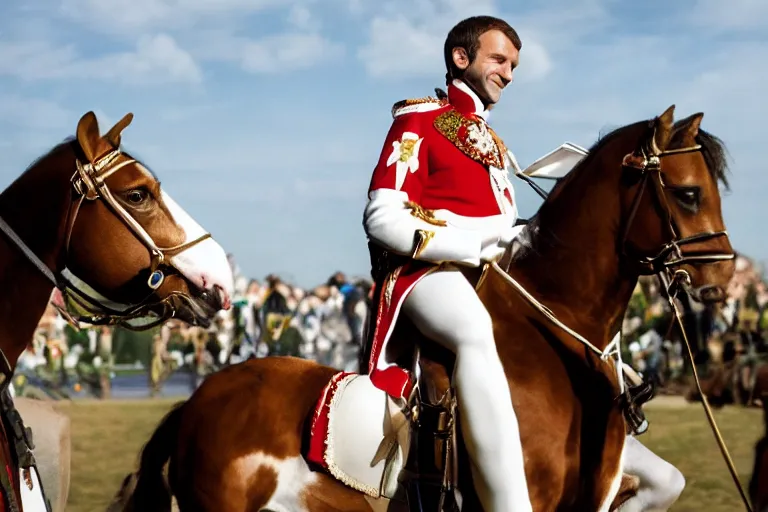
{"points": [[708, 294]]}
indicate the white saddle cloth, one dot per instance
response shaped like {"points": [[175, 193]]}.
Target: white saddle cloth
{"points": [[31, 499], [367, 438]]}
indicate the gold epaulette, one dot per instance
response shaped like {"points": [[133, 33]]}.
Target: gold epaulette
{"points": [[417, 105]]}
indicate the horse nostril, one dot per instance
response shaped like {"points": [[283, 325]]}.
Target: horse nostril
{"points": [[215, 298], [711, 294], [222, 297]]}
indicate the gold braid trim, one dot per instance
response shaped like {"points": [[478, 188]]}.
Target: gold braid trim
{"points": [[499, 144], [389, 285], [455, 126], [417, 101], [427, 216], [423, 238]]}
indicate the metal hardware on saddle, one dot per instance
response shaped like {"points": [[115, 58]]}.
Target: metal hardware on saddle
{"points": [[429, 473]]}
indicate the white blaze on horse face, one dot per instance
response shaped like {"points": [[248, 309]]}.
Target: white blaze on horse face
{"points": [[205, 264]]}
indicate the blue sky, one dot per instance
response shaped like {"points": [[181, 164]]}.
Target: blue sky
{"points": [[264, 118]]}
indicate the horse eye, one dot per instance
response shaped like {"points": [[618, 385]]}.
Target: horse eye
{"points": [[688, 198], [137, 196]]}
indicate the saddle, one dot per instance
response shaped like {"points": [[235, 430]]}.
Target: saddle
{"points": [[402, 450], [408, 450], [430, 473]]}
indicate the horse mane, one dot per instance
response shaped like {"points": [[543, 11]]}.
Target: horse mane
{"points": [[712, 149]]}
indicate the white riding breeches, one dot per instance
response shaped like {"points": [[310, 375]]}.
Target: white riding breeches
{"points": [[660, 482], [445, 308]]}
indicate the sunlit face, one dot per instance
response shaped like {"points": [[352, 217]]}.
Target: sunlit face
{"points": [[493, 66]]}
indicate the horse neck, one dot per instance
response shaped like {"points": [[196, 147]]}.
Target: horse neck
{"points": [[36, 209], [571, 263]]}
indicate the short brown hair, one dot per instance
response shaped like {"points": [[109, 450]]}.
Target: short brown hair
{"points": [[466, 34]]}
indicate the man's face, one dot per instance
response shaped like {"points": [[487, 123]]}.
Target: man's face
{"points": [[492, 69]]}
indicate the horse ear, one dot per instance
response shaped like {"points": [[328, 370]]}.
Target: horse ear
{"points": [[690, 128], [113, 135], [664, 125], [88, 135]]}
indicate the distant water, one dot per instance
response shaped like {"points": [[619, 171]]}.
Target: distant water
{"points": [[136, 386]]}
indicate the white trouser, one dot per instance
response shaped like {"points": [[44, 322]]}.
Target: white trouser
{"points": [[660, 482], [445, 308]]}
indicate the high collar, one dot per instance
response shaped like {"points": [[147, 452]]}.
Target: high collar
{"points": [[465, 100]]}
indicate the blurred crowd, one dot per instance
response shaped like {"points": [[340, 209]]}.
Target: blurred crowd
{"points": [[325, 323], [732, 333], [269, 317]]}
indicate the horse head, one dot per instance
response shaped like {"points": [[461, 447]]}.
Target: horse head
{"points": [[643, 201], [673, 221], [123, 251]]}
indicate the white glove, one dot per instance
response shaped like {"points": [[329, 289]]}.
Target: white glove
{"points": [[492, 252], [508, 234], [494, 246]]}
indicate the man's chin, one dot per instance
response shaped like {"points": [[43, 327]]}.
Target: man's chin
{"points": [[491, 101], [491, 95]]}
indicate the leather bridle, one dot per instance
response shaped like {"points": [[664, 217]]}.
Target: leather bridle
{"points": [[81, 301], [647, 161]]}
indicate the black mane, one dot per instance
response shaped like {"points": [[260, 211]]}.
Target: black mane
{"points": [[712, 148]]}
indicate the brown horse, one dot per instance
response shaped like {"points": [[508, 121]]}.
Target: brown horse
{"points": [[644, 192], [92, 221]]}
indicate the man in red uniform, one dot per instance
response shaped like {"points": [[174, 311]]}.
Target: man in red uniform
{"points": [[440, 199]]}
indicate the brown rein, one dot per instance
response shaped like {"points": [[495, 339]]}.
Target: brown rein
{"points": [[672, 290]]}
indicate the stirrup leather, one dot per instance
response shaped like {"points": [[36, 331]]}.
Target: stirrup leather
{"points": [[431, 470]]}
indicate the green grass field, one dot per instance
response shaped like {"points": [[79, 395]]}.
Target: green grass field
{"points": [[108, 435]]}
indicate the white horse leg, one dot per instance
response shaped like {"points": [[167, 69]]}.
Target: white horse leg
{"points": [[660, 482]]}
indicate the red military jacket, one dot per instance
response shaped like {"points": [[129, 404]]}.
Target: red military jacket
{"points": [[439, 193]]}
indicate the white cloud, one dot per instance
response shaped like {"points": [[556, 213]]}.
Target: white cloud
{"points": [[131, 16], [407, 42], [33, 113], [170, 39], [35, 60], [105, 120], [280, 53], [535, 62], [288, 52], [300, 17], [584, 69], [399, 47], [174, 114], [731, 15], [156, 59]]}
